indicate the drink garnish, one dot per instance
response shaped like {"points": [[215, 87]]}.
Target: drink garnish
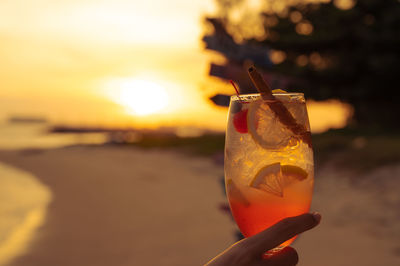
{"points": [[281, 112], [267, 179], [279, 91], [240, 117], [265, 129], [274, 178], [240, 121], [292, 173], [236, 90]]}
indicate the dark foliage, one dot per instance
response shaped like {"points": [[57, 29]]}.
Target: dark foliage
{"points": [[351, 55]]}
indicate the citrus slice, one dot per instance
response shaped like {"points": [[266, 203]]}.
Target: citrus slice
{"points": [[235, 193], [274, 178], [279, 91], [292, 173], [268, 179], [265, 128]]}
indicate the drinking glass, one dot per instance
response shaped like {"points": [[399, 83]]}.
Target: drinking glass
{"points": [[269, 168]]}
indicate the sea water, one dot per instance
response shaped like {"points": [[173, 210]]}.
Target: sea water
{"points": [[23, 199], [35, 136], [23, 205]]}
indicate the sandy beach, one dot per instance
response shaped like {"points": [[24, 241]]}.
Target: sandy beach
{"points": [[118, 205]]}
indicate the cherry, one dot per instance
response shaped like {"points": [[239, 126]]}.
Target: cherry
{"points": [[240, 121]]}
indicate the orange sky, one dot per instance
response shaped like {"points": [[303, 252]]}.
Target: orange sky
{"points": [[62, 54], [68, 60]]}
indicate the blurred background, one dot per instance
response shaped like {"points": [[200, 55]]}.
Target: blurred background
{"points": [[94, 94]]}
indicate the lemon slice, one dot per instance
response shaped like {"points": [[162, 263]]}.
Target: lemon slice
{"points": [[292, 173], [265, 128], [279, 91], [274, 178], [235, 193], [268, 179]]}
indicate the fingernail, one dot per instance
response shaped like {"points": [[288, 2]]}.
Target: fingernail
{"points": [[273, 252], [317, 216]]}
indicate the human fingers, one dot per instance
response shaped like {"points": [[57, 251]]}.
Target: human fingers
{"points": [[280, 232]]}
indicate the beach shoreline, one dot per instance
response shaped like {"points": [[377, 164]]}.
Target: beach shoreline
{"points": [[111, 206], [121, 205], [23, 208]]}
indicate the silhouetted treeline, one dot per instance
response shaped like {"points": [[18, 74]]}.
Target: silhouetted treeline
{"points": [[327, 52]]}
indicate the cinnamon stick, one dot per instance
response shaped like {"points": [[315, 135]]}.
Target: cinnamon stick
{"points": [[280, 110]]}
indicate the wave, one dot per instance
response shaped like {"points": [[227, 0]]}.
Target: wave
{"points": [[23, 207]]}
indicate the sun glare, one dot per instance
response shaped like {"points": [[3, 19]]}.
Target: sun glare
{"points": [[141, 97]]}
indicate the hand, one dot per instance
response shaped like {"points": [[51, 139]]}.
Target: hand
{"points": [[250, 251]]}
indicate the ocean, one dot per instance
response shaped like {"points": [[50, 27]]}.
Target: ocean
{"points": [[23, 198], [23, 204], [35, 135]]}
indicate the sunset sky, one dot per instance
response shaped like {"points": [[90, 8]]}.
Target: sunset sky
{"points": [[81, 62]]}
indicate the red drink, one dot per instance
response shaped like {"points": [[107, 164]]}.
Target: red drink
{"points": [[268, 170]]}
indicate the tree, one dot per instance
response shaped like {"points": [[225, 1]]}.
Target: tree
{"points": [[330, 51]]}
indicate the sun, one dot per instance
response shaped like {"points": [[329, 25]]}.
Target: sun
{"points": [[141, 97]]}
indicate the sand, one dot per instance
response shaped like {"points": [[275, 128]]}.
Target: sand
{"points": [[361, 217], [116, 205], [121, 206]]}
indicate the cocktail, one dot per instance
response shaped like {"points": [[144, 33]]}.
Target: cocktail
{"points": [[269, 169]]}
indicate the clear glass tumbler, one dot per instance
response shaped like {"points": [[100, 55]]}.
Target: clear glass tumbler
{"points": [[269, 168]]}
